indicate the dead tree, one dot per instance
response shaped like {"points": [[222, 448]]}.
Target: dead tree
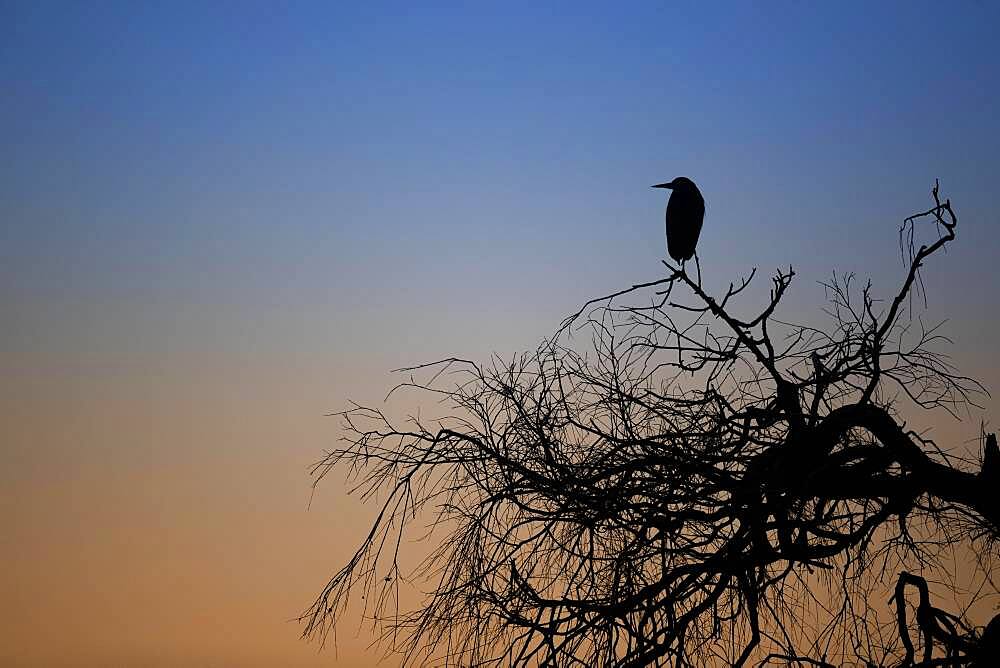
{"points": [[667, 481]]}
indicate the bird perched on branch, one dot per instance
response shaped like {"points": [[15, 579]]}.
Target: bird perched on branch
{"points": [[685, 214]]}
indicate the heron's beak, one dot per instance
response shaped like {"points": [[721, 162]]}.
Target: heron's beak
{"points": [[663, 185]]}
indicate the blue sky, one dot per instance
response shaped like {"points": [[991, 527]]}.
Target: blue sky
{"points": [[245, 154], [138, 129]]}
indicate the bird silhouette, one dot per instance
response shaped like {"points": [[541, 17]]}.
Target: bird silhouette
{"points": [[685, 214]]}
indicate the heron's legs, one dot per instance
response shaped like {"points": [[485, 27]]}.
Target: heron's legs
{"points": [[698, 265]]}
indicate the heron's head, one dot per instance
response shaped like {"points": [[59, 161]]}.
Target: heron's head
{"points": [[680, 183]]}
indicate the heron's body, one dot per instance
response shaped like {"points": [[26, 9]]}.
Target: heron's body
{"points": [[685, 215]]}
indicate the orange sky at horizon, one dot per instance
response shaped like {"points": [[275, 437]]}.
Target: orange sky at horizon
{"points": [[132, 542]]}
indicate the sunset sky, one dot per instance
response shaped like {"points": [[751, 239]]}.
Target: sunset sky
{"points": [[220, 221]]}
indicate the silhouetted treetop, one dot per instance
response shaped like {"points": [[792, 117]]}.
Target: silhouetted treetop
{"points": [[678, 478]]}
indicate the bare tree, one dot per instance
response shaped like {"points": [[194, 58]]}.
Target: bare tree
{"points": [[668, 482]]}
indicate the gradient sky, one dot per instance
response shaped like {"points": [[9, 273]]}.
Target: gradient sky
{"points": [[218, 223]]}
